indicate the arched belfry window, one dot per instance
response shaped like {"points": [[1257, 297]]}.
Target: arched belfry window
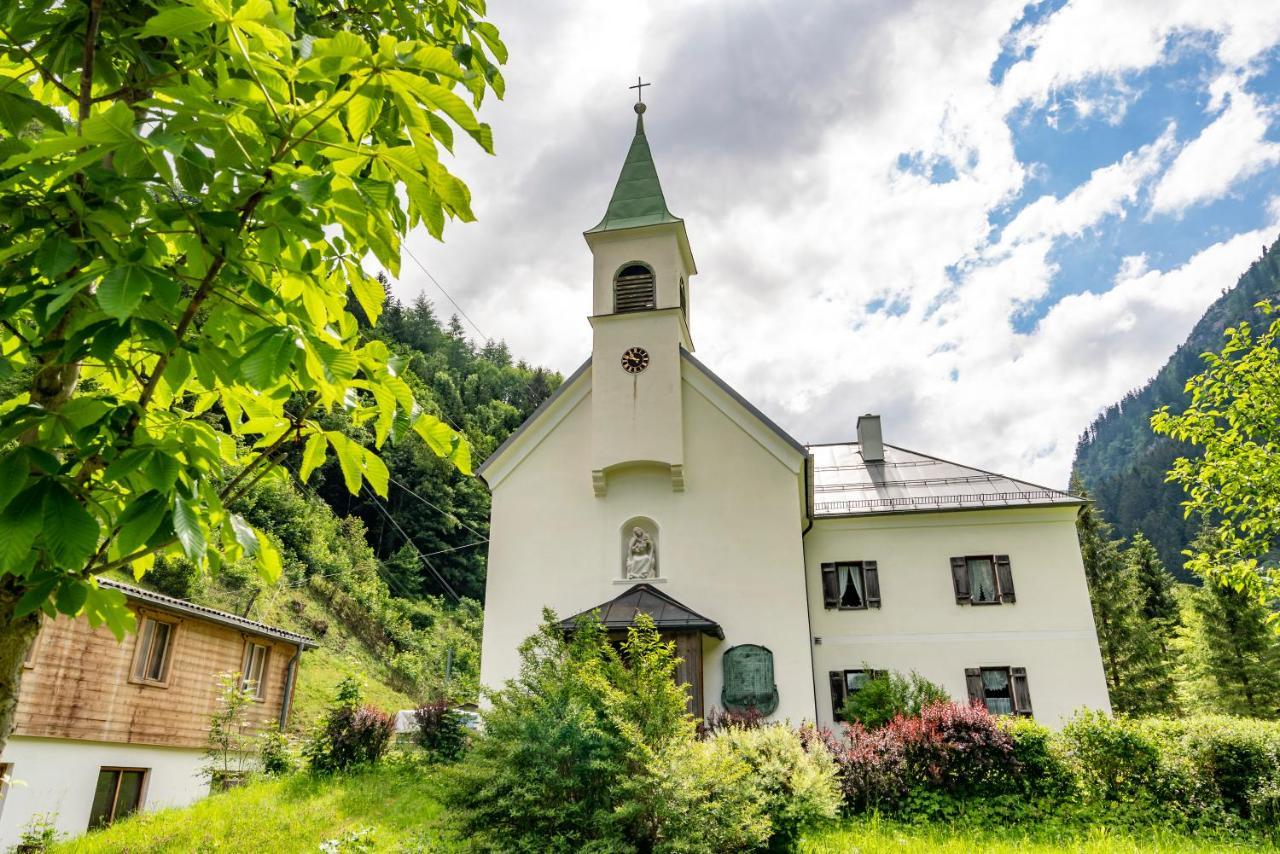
{"points": [[633, 289]]}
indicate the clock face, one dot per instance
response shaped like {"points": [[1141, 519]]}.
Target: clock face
{"points": [[635, 360]]}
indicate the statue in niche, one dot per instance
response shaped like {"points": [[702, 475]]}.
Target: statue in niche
{"points": [[642, 559]]}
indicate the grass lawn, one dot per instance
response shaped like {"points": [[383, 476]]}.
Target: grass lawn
{"points": [[397, 807]]}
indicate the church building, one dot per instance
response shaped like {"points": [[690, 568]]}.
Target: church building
{"points": [[786, 574]]}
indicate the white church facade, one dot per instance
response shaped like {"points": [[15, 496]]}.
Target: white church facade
{"points": [[785, 573]]}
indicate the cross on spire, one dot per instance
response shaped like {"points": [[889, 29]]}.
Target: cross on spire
{"points": [[639, 87]]}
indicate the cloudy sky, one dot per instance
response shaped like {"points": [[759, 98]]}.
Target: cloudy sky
{"points": [[984, 220]]}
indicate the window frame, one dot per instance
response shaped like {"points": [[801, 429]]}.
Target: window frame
{"points": [[120, 771], [1001, 571], [869, 572], [1019, 689], [259, 692], [33, 651], [870, 672], [136, 676]]}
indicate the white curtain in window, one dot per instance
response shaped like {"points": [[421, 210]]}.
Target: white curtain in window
{"points": [[982, 580], [995, 689], [851, 593]]}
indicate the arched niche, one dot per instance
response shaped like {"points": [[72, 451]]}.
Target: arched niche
{"points": [[639, 549]]}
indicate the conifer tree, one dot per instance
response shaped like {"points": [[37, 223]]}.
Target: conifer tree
{"points": [[1159, 605], [1230, 660], [1139, 679]]}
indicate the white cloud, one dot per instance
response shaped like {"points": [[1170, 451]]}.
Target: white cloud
{"points": [[1232, 148], [777, 132]]}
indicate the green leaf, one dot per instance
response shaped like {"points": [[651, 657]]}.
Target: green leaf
{"points": [[122, 289], [70, 531], [139, 521], [19, 527], [72, 593], [186, 524], [270, 566], [263, 365], [13, 475], [375, 471], [313, 456], [17, 111], [245, 535], [181, 21], [370, 294], [108, 605], [437, 434], [36, 595], [114, 127], [350, 459]]}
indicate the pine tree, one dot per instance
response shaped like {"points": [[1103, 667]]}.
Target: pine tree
{"points": [[1159, 605], [1139, 678], [1230, 653]]}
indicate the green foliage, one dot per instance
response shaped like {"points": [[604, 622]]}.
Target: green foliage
{"points": [[888, 695], [704, 800], [190, 193], [230, 745], [1229, 653], [1125, 465], [351, 735], [274, 755], [177, 577], [441, 732], [795, 785], [38, 835], [1135, 661], [1233, 420]]}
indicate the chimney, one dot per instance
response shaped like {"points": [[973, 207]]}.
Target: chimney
{"points": [[869, 440]]}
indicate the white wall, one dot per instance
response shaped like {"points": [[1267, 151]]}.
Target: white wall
{"points": [[59, 776], [730, 544], [1049, 630]]}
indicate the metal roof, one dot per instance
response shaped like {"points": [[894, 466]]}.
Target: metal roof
{"points": [[845, 485], [666, 613], [182, 606], [637, 197]]}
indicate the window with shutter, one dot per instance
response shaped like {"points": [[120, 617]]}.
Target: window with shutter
{"points": [[846, 683], [1003, 690], [836, 678], [871, 580], [960, 580], [982, 580], [1021, 691], [633, 289], [973, 683], [1004, 577]]}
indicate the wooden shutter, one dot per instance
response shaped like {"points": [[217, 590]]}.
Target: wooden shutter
{"points": [[960, 579], [973, 681], [830, 586], [1004, 576], [1021, 693], [871, 582], [837, 692]]}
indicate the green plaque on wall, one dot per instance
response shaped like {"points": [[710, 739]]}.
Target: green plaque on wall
{"points": [[748, 680]]}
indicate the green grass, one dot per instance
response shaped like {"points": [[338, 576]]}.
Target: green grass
{"points": [[397, 804], [292, 814], [879, 836]]}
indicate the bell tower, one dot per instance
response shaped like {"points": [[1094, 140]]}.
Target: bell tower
{"points": [[640, 322]]}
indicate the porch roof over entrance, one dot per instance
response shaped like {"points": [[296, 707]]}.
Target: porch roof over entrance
{"points": [[667, 614]]}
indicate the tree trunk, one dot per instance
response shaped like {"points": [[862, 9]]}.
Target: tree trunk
{"points": [[16, 637]]}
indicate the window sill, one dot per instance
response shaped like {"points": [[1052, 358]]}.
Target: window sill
{"points": [[634, 581]]}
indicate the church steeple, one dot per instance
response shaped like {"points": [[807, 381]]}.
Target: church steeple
{"points": [[637, 198]]}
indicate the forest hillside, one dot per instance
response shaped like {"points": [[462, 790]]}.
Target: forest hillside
{"points": [[1123, 464]]}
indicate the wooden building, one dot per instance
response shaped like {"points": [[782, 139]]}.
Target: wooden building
{"points": [[105, 728]]}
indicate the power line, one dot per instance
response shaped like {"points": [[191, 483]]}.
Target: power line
{"points": [[409, 542], [447, 295], [438, 509]]}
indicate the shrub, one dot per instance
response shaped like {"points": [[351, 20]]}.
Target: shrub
{"points": [[722, 719], [274, 756], [350, 734], [1042, 772], [573, 746], [1111, 757], [795, 786], [890, 695], [230, 741], [873, 768], [960, 750], [441, 732], [175, 576], [703, 802]]}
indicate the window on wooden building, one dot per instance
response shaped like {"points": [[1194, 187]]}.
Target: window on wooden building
{"points": [[29, 659], [118, 794], [254, 670], [982, 579], [846, 683], [633, 289], [155, 648], [851, 586], [1003, 690]]}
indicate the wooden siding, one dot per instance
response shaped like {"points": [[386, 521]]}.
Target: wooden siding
{"points": [[79, 686]]}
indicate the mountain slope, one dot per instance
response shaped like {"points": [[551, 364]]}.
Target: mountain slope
{"points": [[1123, 464]]}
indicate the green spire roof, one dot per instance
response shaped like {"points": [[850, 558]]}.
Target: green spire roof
{"points": [[637, 199]]}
